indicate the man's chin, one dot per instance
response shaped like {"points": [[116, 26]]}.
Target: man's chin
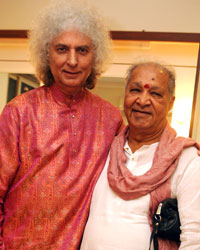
{"points": [[140, 123]]}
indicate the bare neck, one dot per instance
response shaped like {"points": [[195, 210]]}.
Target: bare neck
{"points": [[69, 93], [137, 139]]}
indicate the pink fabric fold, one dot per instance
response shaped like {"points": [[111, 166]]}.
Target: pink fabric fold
{"points": [[156, 181]]}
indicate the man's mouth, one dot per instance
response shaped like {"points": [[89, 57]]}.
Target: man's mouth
{"points": [[71, 72], [141, 111]]}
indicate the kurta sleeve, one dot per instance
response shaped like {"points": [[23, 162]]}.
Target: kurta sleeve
{"points": [[186, 186], [9, 156]]}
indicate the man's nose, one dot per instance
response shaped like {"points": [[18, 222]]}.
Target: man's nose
{"points": [[72, 58], [144, 99]]}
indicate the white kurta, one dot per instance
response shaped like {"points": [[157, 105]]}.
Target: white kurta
{"points": [[117, 224]]}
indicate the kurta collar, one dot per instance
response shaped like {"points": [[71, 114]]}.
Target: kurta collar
{"points": [[61, 98], [128, 150]]}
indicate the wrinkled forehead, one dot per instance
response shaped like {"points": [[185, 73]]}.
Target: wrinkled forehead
{"points": [[150, 68], [149, 74]]}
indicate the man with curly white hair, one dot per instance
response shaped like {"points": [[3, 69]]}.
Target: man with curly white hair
{"points": [[54, 140]]}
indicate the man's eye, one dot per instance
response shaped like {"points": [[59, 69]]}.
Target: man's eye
{"points": [[61, 49], [134, 90], [156, 94], [82, 50]]}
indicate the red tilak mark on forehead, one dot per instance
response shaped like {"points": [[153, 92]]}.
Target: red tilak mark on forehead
{"points": [[146, 86]]}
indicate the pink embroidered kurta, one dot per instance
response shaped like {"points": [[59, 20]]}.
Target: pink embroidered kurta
{"points": [[51, 155]]}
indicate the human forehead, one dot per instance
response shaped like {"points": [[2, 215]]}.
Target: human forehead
{"points": [[149, 75], [72, 37]]}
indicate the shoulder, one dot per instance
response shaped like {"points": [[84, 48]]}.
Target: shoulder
{"points": [[23, 102], [101, 103], [188, 160], [188, 155], [28, 97], [188, 165], [109, 115]]}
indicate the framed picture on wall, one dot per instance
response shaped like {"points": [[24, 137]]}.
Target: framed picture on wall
{"points": [[25, 84], [25, 87], [12, 87], [20, 83]]}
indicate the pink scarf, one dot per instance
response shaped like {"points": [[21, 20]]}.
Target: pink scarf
{"points": [[156, 181]]}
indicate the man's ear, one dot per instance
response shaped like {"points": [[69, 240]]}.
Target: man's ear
{"points": [[171, 103]]}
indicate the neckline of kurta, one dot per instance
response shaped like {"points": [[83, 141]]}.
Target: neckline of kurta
{"points": [[128, 150], [61, 98]]}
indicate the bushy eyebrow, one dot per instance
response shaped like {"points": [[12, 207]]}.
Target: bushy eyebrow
{"points": [[140, 85], [133, 84], [156, 88], [137, 84], [84, 46], [79, 46]]}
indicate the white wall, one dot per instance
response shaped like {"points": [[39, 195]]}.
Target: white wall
{"points": [[196, 128], [129, 15], [14, 56], [3, 89]]}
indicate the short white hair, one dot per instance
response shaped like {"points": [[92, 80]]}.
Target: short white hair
{"points": [[168, 70]]}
